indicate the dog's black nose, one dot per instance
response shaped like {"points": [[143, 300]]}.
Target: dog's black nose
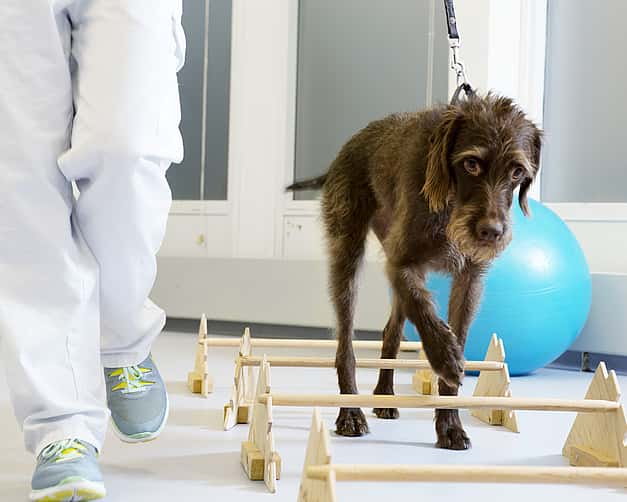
{"points": [[489, 230]]}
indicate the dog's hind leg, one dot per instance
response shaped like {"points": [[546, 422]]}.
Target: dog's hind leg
{"points": [[346, 254], [392, 333], [391, 342], [465, 296], [346, 210]]}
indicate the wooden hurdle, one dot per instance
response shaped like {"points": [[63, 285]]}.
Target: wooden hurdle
{"points": [[320, 474], [596, 438], [199, 379], [236, 410]]}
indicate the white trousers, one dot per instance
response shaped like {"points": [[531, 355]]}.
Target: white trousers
{"points": [[88, 93]]}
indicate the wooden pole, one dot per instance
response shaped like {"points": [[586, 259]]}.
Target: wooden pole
{"points": [[322, 362], [304, 343], [445, 402], [473, 474]]}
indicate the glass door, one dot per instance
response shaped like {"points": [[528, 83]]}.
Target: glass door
{"points": [[584, 175]]}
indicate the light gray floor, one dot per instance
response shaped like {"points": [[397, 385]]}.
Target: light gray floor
{"points": [[195, 460]]}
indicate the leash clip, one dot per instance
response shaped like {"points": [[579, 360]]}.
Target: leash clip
{"points": [[463, 85], [456, 64]]}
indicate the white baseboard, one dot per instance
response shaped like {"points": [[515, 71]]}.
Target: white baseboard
{"points": [[289, 292], [292, 292]]}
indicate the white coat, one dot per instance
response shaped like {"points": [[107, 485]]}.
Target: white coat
{"points": [[88, 94]]}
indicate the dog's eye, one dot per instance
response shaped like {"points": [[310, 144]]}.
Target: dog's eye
{"points": [[517, 173], [472, 167]]}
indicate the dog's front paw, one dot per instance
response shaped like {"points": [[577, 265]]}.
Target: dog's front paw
{"points": [[451, 434], [351, 422], [446, 356], [454, 438]]}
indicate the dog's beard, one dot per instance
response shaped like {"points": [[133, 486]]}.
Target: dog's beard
{"points": [[459, 232]]}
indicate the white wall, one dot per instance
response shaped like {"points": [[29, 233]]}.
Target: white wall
{"points": [[277, 242]]}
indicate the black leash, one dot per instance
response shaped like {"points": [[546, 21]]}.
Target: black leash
{"points": [[463, 85]]}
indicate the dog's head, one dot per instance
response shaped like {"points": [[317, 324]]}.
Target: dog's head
{"points": [[482, 150]]}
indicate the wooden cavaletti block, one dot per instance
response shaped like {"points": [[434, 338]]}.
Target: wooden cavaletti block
{"points": [[198, 380], [258, 455], [318, 455], [497, 384], [599, 439], [237, 410], [425, 381]]}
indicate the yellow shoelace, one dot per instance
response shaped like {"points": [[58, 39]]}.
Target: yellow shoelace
{"points": [[131, 379]]}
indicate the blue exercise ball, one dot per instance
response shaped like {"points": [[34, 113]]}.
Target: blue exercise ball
{"points": [[536, 297]]}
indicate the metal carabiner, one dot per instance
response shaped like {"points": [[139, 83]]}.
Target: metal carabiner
{"points": [[456, 64]]}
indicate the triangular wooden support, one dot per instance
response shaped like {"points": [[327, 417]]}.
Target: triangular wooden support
{"points": [[425, 382], [495, 384], [258, 456], [318, 454], [599, 439], [198, 380], [236, 411]]}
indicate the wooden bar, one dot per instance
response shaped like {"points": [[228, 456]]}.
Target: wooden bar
{"points": [[444, 402], [304, 343], [322, 362], [473, 474]]}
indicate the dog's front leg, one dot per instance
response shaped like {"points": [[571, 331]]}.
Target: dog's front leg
{"points": [[439, 342], [465, 297]]}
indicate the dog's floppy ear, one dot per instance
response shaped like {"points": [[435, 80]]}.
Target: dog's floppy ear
{"points": [[437, 177], [535, 150]]}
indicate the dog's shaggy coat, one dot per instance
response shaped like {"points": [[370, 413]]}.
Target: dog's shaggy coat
{"points": [[436, 188]]}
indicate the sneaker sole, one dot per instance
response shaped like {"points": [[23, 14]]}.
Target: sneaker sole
{"points": [[143, 437], [71, 492]]}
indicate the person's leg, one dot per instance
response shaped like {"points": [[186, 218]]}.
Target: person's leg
{"points": [[49, 318], [125, 136]]}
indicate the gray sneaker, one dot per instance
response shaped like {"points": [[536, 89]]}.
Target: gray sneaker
{"points": [[138, 401], [67, 471]]}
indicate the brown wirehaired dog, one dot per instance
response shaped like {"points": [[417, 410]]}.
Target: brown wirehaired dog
{"points": [[436, 188]]}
